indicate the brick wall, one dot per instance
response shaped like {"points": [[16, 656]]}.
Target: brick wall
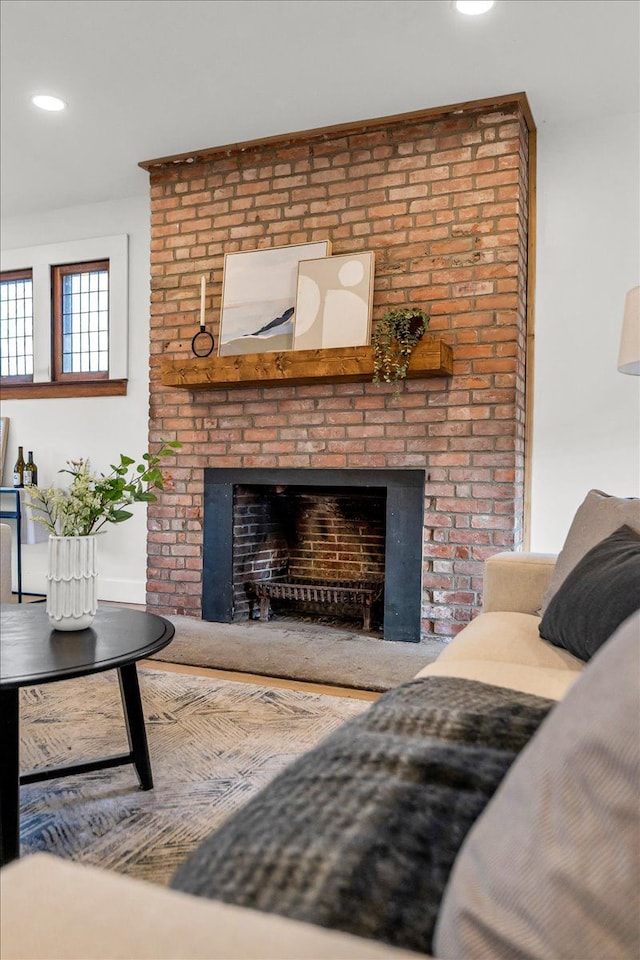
{"points": [[260, 548], [328, 536], [338, 537], [443, 203]]}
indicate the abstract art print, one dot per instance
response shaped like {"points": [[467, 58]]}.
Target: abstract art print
{"points": [[259, 297], [334, 301]]}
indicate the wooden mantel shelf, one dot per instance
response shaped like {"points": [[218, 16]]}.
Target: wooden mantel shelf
{"points": [[431, 358]]}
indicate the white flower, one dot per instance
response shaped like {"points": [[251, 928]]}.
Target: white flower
{"points": [[93, 500]]}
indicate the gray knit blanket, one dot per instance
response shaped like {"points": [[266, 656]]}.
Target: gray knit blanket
{"points": [[360, 833]]}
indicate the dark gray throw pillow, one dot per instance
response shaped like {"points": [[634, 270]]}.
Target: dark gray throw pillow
{"points": [[601, 591]]}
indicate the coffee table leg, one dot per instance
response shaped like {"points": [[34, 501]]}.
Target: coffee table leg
{"points": [[134, 717], [9, 776]]}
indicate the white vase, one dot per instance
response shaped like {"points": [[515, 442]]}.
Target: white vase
{"points": [[72, 582]]}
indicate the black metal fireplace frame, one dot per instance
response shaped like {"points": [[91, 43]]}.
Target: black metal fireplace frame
{"points": [[404, 535]]}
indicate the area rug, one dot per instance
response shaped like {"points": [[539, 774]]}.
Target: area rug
{"points": [[213, 745], [299, 650]]}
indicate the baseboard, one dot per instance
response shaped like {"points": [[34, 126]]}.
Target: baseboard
{"points": [[122, 591]]}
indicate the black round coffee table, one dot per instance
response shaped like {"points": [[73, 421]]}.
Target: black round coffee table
{"points": [[31, 653]]}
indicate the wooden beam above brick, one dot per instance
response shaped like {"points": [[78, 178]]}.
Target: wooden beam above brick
{"points": [[509, 101], [431, 358]]}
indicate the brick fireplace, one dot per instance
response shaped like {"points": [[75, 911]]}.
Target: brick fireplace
{"points": [[442, 199]]}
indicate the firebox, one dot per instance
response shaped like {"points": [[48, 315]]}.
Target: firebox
{"points": [[317, 539]]}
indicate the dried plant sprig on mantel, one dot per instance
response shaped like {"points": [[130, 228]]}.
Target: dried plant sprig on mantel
{"points": [[393, 340]]}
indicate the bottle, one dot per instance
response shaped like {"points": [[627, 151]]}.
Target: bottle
{"points": [[18, 470], [30, 472]]}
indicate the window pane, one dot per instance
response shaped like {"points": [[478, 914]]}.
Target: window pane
{"points": [[84, 311], [16, 344]]}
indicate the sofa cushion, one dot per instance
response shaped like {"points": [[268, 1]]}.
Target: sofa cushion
{"points": [[601, 591], [505, 649], [551, 868], [597, 516]]}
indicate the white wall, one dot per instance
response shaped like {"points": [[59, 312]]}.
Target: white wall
{"points": [[586, 427], [586, 414], [99, 428]]}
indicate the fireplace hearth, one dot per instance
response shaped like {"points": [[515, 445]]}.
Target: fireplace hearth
{"points": [[315, 541]]}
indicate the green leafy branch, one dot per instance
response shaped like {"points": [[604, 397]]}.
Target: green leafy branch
{"points": [[92, 501]]}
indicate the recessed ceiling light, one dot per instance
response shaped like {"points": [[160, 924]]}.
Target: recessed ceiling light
{"points": [[473, 7], [46, 102]]}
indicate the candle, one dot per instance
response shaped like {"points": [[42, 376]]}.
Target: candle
{"points": [[202, 288]]}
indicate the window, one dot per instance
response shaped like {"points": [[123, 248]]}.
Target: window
{"points": [[16, 325], [81, 321], [63, 319]]}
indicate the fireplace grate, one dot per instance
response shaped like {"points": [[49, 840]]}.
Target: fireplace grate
{"points": [[362, 593]]}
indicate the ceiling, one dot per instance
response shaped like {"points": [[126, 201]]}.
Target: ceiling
{"points": [[152, 78]]}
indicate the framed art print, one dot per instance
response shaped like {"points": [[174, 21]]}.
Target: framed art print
{"points": [[259, 297], [4, 432], [334, 301]]}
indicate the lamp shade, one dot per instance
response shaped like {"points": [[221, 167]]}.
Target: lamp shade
{"points": [[629, 356]]}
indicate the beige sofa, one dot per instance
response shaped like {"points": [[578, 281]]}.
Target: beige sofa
{"points": [[52, 908]]}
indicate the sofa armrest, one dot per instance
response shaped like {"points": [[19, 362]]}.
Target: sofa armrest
{"points": [[516, 582], [56, 910], [5, 563]]}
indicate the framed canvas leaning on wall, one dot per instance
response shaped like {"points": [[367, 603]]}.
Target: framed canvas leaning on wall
{"points": [[334, 302], [4, 432], [259, 297]]}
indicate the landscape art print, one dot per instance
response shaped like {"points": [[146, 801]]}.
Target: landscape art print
{"points": [[334, 301], [259, 297]]}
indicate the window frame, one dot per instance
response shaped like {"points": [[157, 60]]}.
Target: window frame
{"points": [[58, 271], [6, 276], [40, 260]]}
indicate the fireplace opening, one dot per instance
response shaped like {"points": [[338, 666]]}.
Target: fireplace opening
{"points": [[315, 543], [314, 552]]}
